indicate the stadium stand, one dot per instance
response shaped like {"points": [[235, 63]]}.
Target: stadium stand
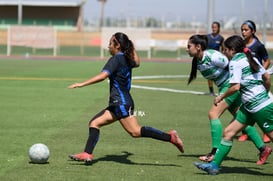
{"points": [[42, 12]]}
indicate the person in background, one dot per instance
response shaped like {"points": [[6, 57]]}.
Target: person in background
{"points": [[121, 105], [248, 30], [215, 42], [213, 65], [249, 77]]}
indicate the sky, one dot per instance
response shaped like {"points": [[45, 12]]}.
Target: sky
{"points": [[180, 10]]}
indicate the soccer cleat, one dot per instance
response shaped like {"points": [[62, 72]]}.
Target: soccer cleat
{"points": [[243, 137], [210, 168], [264, 155], [207, 158], [176, 140], [85, 157], [266, 139]]}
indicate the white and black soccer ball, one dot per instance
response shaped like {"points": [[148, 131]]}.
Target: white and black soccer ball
{"points": [[38, 153]]}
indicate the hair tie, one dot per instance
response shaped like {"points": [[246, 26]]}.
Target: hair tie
{"points": [[246, 50]]}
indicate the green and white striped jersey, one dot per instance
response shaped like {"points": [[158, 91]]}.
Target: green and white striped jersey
{"points": [[254, 95], [213, 66]]}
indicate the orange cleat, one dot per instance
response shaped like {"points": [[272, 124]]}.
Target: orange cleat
{"points": [[243, 137], [266, 139], [264, 155], [85, 157], [176, 140]]}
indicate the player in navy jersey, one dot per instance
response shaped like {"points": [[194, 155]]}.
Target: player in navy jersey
{"points": [[121, 105], [215, 42], [248, 30]]}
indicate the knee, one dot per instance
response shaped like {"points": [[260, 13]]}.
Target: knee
{"points": [[212, 115], [134, 134], [91, 123], [94, 124]]}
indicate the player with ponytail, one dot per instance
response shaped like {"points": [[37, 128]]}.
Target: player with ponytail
{"points": [[249, 77], [118, 70], [258, 50], [213, 65]]}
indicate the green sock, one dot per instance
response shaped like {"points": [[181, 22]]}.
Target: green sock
{"points": [[223, 149], [216, 132], [254, 136]]}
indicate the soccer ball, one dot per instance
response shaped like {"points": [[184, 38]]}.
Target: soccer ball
{"points": [[38, 153]]}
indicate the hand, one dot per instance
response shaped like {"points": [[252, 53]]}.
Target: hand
{"points": [[217, 99], [75, 85]]}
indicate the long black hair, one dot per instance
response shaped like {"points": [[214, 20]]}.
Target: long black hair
{"points": [[126, 46], [201, 40], [237, 43]]}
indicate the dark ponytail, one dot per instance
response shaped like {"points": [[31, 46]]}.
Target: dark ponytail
{"points": [[126, 46], [193, 70]]}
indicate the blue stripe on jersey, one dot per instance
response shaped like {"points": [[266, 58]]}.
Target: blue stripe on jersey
{"points": [[123, 110], [120, 92]]}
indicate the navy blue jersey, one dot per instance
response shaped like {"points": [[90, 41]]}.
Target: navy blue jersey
{"points": [[120, 75], [258, 50], [215, 42]]}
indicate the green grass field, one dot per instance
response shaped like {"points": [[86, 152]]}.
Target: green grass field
{"points": [[37, 107]]}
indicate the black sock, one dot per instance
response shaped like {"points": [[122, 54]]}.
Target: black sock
{"points": [[213, 151], [92, 140], [154, 133], [262, 148], [211, 90]]}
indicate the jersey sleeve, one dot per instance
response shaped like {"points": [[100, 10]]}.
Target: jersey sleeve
{"points": [[111, 66], [235, 72], [219, 60]]}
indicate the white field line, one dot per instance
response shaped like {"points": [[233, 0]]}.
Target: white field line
{"points": [[133, 86], [162, 88], [159, 77], [166, 89]]}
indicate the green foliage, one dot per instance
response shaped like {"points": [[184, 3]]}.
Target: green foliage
{"points": [[36, 106]]}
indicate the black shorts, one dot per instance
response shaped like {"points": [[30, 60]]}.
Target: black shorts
{"points": [[121, 111]]}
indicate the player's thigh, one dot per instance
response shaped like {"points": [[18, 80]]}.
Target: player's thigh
{"points": [[217, 110], [130, 124], [103, 118]]}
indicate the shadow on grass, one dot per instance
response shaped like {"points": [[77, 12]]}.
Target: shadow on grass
{"points": [[227, 158], [123, 159], [239, 170], [243, 170]]}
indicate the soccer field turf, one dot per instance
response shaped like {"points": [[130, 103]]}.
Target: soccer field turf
{"points": [[37, 107]]}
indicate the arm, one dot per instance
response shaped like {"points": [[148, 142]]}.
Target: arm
{"points": [[267, 82], [98, 78], [232, 89], [266, 63]]}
